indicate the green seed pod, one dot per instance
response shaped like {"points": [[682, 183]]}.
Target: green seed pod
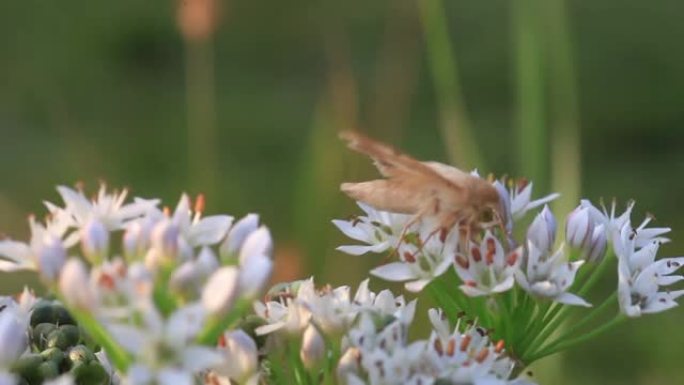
{"points": [[57, 339], [40, 333], [80, 354], [91, 373], [27, 367], [62, 316], [72, 333], [48, 370], [53, 355], [42, 313]]}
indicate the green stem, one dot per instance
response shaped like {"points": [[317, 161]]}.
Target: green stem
{"points": [[455, 126], [532, 134], [119, 357], [217, 325], [575, 341], [577, 325]]}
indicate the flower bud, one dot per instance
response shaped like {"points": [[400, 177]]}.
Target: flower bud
{"points": [[95, 241], [50, 258], [542, 231], [579, 228], [185, 279], [254, 275], [348, 364], [258, 242], [240, 352], [220, 291], [313, 349], [165, 238], [597, 247], [74, 285], [237, 235], [13, 337], [136, 239]]}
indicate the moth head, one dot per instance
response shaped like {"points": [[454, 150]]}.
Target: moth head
{"points": [[488, 203]]}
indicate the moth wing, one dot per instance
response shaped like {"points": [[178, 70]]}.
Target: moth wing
{"points": [[395, 195], [450, 173], [389, 161]]}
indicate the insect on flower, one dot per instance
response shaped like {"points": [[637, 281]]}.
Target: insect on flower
{"points": [[424, 189]]}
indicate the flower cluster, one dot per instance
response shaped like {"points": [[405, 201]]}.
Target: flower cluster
{"points": [[157, 301], [142, 294], [523, 273]]}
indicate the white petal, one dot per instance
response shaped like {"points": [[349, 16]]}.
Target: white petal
{"points": [[15, 251], [221, 290], [362, 249], [416, 286], [395, 272], [350, 230], [130, 338], [198, 358], [173, 376], [254, 275], [210, 230], [571, 299]]}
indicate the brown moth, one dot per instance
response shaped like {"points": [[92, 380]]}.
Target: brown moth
{"points": [[424, 189]]}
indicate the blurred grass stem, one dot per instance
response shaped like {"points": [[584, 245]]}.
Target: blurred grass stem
{"points": [[532, 136], [201, 115], [455, 125]]}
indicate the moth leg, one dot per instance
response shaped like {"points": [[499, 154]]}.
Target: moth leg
{"points": [[414, 219]]}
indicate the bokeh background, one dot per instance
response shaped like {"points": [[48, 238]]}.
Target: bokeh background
{"points": [[241, 101]]}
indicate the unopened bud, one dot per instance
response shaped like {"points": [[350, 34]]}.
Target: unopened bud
{"points": [[95, 241], [579, 228], [597, 247], [542, 232], [220, 291], [348, 364], [254, 275], [165, 238], [51, 257], [258, 242], [136, 239], [74, 284], [237, 236], [240, 352], [313, 349]]}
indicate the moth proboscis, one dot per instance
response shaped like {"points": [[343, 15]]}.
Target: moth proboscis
{"points": [[424, 189]]}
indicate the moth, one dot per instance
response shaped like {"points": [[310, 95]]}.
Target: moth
{"points": [[424, 189]]}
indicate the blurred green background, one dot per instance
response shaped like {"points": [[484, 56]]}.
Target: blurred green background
{"points": [[246, 108]]}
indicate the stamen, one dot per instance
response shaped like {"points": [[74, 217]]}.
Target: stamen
{"points": [[199, 203]]}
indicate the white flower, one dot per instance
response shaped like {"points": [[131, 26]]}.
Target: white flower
{"points": [[519, 196], [74, 285], [640, 275], [163, 348], [13, 336], [198, 231], [614, 223], [486, 268], [421, 260], [46, 252], [549, 275], [240, 357], [378, 230], [109, 209]]}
